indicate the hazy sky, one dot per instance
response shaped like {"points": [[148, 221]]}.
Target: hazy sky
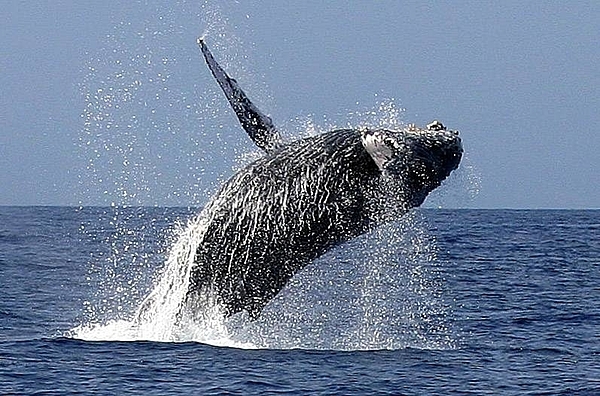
{"points": [[110, 101]]}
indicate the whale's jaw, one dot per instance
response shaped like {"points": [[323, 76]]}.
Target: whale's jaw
{"points": [[414, 161]]}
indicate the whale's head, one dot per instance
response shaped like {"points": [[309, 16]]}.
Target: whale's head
{"points": [[414, 160]]}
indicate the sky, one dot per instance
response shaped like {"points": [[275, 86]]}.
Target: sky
{"points": [[110, 102]]}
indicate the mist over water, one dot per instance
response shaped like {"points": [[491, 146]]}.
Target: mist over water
{"points": [[143, 123]]}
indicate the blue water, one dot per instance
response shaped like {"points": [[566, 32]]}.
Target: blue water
{"points": [[446, 302]]}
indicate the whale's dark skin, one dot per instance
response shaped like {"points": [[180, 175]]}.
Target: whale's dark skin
{"points": [[279, 213]]}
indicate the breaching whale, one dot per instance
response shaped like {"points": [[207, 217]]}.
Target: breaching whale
{"points": [[302, 198]]}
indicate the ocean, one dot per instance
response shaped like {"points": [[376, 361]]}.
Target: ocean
{"points": [[441, 302]]}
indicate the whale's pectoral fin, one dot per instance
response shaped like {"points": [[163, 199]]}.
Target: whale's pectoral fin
{"points": [[380, 147], [259, 126]]}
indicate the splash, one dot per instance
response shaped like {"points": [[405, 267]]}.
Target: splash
{"points": [[380, 291], [161, 316]]}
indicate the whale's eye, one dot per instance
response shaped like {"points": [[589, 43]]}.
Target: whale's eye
{"points": [[435, 125]]}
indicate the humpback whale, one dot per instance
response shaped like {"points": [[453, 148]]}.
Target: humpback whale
{"points": [[302, 198]]}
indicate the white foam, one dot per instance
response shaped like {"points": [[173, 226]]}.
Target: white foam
{"points": [[380, 298]]}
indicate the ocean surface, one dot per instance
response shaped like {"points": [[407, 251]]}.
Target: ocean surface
{"points": [[441, 302]]}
